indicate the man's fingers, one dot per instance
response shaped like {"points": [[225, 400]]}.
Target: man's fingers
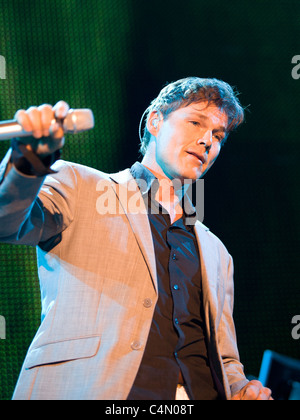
{"points": [[31, 121], [254, 390], [265, 394], [39, 120], [23, 119], [61, 109], [251, 393], [36, 121], [45, 125], [47, 116]]}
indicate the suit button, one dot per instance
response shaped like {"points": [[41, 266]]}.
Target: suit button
{"points": [[147, 303], [136, 345]]}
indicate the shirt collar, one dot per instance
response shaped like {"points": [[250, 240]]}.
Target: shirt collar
{"points": [[143, 177]]}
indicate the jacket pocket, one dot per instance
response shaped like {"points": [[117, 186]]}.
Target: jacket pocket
{"points": [[62, 351]]}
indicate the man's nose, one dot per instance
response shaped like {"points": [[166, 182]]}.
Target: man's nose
{"points": [[206, 140]]}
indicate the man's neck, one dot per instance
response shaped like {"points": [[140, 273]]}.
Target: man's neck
{"points": [[169, 194]]}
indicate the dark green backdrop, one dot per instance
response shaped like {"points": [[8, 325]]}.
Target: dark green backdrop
{"points": [[114, 56]]}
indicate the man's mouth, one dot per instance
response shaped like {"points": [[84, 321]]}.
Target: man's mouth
{"points": [[201, 158]]}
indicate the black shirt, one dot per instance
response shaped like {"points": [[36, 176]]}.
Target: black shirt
{"points": [[177, 335]]}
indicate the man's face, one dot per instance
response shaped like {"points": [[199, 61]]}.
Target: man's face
{"points": [[189, 141]]}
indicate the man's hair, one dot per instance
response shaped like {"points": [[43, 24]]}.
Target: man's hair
{"points": [[184, 92]]}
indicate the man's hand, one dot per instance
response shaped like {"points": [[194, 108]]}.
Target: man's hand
{"points": [[47, 135], [254, 390]]}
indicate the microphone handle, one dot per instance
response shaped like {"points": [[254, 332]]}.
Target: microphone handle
{"points": [[11, 129]]}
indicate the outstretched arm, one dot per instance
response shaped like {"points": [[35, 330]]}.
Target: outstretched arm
{"points": [[26, 218]]}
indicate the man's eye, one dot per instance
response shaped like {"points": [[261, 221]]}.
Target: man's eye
{"points": [[222, 141], [196, 123], [219, 138]]}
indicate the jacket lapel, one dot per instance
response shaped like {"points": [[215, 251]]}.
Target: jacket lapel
{"points": [[210, 282], [209, 270], [130, 198]]}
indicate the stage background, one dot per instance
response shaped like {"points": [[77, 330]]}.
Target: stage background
{"points": [[114, 56]]}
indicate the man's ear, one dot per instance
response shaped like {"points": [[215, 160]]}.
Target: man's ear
{"points": [[153, 123]]}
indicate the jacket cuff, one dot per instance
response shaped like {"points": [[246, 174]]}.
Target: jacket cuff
{"points": [[29, 163], [237, 386]]}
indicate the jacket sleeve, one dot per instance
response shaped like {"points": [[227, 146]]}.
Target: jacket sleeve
{"points": [[227, 338], [33, 209]]}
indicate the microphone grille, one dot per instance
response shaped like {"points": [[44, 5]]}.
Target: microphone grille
{"points": [[78, 120]]}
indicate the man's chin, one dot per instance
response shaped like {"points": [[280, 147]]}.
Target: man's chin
{"points": [[193, 175], [183, 174]]}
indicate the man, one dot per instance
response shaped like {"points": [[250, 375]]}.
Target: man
{"points": [[136, 303]]}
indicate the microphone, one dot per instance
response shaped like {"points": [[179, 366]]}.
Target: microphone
{"points": [[76, 121]]}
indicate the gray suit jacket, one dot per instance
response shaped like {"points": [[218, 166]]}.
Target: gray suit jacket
{"points": [[98, 283]]}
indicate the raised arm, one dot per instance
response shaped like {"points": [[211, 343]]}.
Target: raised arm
{"points": [[26, 217]]}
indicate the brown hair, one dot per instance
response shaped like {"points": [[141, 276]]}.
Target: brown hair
{"points": [[183, 92]]}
